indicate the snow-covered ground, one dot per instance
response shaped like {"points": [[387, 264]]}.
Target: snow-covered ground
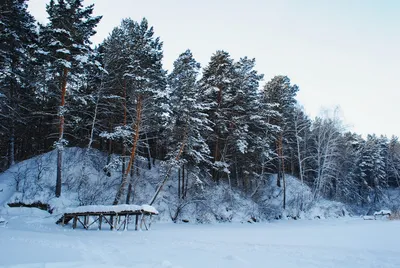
{"points": [[32, 239]]}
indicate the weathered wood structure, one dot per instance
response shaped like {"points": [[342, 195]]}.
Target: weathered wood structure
{"points": [[117, 217]]}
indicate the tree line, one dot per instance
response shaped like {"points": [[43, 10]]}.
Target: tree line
{"points": [[218, 122]]}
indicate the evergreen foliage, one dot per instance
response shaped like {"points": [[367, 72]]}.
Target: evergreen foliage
{"points": [[215, 125]]}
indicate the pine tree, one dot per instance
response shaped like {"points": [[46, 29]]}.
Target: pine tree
{"points": [[17, 44], [217, 86], [65, 39], [249, 125], [394, 162], [190, 124], [349, 183], [141, 72], [373, 167], [281, 94]]}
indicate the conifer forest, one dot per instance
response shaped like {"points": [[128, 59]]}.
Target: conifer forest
{"points": [[220, 124]]}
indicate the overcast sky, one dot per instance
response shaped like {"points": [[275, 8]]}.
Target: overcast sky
{"points": [[342, 53]]}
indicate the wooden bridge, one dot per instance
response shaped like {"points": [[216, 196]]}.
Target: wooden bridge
{"points": [[116, 217]]}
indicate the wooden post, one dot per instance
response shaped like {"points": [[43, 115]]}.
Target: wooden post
{"points": [[63, 220], [125, 223], [150, 221], [136, 222], [74, 222], [85, 221], [142, 219], [115, 224], [100, 220]]}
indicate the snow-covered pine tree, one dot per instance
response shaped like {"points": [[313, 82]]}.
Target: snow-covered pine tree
{"points": [[189, 122], [18, 40], [394, 162], [145, 81], [373, 167], [217, 89], [281, 95], [348, 182], [249, 126], [66, 41]]}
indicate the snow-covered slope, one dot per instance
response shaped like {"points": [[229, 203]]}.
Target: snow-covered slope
{"points": [[89, 180]]}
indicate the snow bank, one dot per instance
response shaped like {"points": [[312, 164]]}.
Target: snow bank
{"points": [[382, 212], [299, 201]]}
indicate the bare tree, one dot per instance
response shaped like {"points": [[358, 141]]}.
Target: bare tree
{"points": [[326, 133]]}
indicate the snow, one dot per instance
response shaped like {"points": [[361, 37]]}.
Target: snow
{"points": [[149, 208], [63, 50], [82, 58], [382, 212], [116, 208], [29, 240], [41, 51]]}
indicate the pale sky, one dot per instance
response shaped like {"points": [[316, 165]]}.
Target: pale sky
{"points": [[342, 53]]}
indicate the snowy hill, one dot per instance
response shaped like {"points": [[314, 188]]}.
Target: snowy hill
{"points": [[86, 181]]}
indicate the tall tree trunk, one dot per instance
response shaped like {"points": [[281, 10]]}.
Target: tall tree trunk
{"points": [[186, 184], [179, 183], [91, 137], [284, 181], [237, 173], [148, 152], [216, 154], [170, 168], [12, 147], [128, 195], [279, 146], [300, 162], [281, 169], [60, 146], [183, 181], [121, 189], [12, 115], [123, 138]]}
